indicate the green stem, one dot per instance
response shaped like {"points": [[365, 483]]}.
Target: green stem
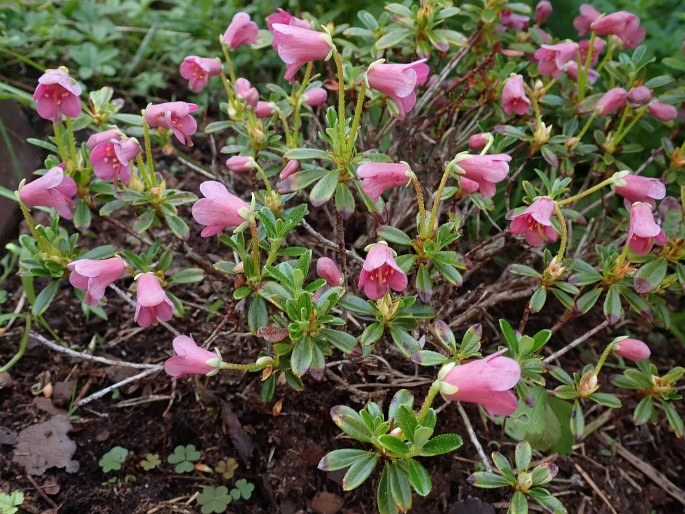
{"points": [[587, 192], [624, 116], [432, 393], [603, 358], [630, 126], [607, 57], [419, 198], [438, 198], [227, 87], [58, 139], [241, 367], [295, 99], [341, 96], [587, 125], [148, 150], [263, 176], [22, 347], [564, 233], [286, 129], [229, 63], [623, 255], [585, 68], [143, 171], [42, 243], [71, 141], [357, 118], [255, 244]]}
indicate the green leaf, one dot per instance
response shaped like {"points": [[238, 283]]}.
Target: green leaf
{"points": [[404, 341], [545, 499], [81, 214], [392, 38], [303, 154], [350, 421], [183, 457], [509, 334], [588, 300], [113, 459], [537, 301], [607, 399], [214, 499], [443, 443], [650, 276], [503, 465], [341, 340], [324, 188], [401, 397], [394, 445], [177, 225], [613, 311], [302, 356], [187, 276], [243, 488], [44, 298], [518, 504], [577, 420], [394, 235], [150, 462], [428, 358], [523, 455], [488, 480], [406, 420], [384, 499], [372, 333], [419, 478], [522, 269], [340, 459], [674, 418], [257, 314], [360, 471], [644, 410], [400, 489]]}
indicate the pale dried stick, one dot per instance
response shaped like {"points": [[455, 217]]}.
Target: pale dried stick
{"points": [[474, 437]]}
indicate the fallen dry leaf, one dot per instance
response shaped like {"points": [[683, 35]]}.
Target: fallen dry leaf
{"points": [[46, 445], [327, 503]]}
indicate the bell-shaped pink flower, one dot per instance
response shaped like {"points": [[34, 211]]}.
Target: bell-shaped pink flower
{"points": [[241, 31], [264, 109], [613, 100], [54, 189], [485, 171], [174, 116], [219, 209], [552, 58], [632, 349], [152, 303], [478, 141], [244, 90], [289, 169], [513, 21], [285, 18], [662, 111], [198, 71], [635, 188], [94, 276], [582, 23], [643, 230], [639, 95], [484, 381], [57, 94], [327, 269], [190, 359], [378, 177], [514, 97], [111, 159], [597, 48], [622, 24], [297, 46], [399, 82], [240, 163], [536, 222], [315, 96], [102, 137], [380, 272], [542, 11]]}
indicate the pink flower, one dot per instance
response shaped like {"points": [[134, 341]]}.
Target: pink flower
{"points": [[582, 23], [613, 100], [264, 109], [152, 303], [296, 46], [240, 163], [380, 272], [597, 49], [635, 188], [643, 230], [111, 159], [241, 31], [662, 111], [285, 18], [244, 90], [543, 11], [57, 94], [622, 24], [571, 70], [54, 189], [190, 359], [327, 269], [219, 209], [632, 349], [378, 177], [484, 381], [101, 137], [639, 95], [289, 169], [198, 70], [175, 116], [552, 58], [536, 222], [94, 276], [482, 172], [513, 21], [399, 82], [514, 97], [478, 141], [315, 96]]}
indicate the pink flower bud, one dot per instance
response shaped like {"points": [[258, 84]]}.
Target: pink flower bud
{"points": [[264, 109], [297, 46], [54, 189], [378, 177], [536, 222], [543, 11], [513, 21], [241, 31], [662, 111], [635, 188], [152, 303], [327, 269], [94, 276], [514, 97], [289, 169], [484, 381], [380, 272], [478, 141], [174, 116], [244, 90], [240, 163], [632, 349], [285, 18], [399, 82], [622, 24], [111, 159], [198, 71], [315, 96], [552, 58], [101, 137], [643, 230], [582, 23], [639, 95], [486, 171], [190, 359], [57, 94], [613, 100], [219, 209]]}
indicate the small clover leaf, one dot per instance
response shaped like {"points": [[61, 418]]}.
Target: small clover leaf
{"points": [[183, 457], [150, 462], [226, 468], [243, 489], [214, 499], [9, 503], [113, 459]]}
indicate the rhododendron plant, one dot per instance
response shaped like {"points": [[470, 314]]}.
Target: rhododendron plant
{"points": [[643, 231], [198, 71], [241, 31], [632, 349], [190, 359], [55, 189], [378, 177], [175, 116], [380, 272], [398, 82], [219, 209], [152, 303], [57, 94], [535, 223]]}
